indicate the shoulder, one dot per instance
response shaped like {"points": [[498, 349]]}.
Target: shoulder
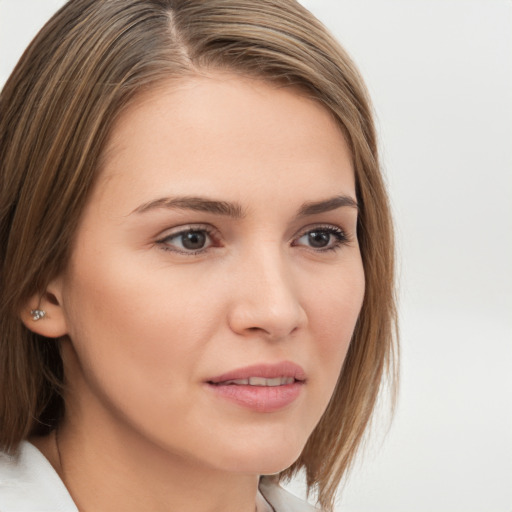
{"points": [[28, 483], [283, 501]]}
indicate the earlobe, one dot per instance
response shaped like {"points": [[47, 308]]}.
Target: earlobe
{"points": [[44, 314]]}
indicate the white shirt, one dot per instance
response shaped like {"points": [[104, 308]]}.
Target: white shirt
{"points": [[28, 483]]}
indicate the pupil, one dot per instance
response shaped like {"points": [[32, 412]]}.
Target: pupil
{"points": [[319, 238], [194, 240]]}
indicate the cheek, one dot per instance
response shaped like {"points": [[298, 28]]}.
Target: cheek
{"points": [[129, 295], [138, 324], [333, 317], [137, 344], [130, 328]]}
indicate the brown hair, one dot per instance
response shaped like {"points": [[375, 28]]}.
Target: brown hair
{"points": [[56, 111]]}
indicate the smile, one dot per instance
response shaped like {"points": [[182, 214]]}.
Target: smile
{"points": [[273, 374], [263, 388], [260, 381]]}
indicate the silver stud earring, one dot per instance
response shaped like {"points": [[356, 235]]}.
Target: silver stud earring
{"points": [[37, 314]]}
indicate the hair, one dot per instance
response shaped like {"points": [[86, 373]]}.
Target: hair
{"points": [[57, 110]]}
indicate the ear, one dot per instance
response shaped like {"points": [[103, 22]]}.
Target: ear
{"points": [[51, 322]]}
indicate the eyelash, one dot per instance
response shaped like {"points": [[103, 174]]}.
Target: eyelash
{"points": [[339, 235], [164, 242]]}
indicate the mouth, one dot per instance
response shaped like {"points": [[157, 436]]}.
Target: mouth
{"points": [[257, 381], [274, 374], [261, 388]]}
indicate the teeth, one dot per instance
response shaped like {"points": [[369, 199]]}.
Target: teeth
{"points": [[240, 382], [261, 381]]}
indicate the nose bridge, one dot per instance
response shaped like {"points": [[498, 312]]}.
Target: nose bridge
{"points": [[266, 297]]}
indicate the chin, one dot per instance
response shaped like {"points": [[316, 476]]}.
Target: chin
{"points": [[263, 459]]}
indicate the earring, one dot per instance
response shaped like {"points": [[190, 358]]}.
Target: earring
{"points": [[37, 314]]}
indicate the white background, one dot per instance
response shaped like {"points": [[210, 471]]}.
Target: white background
{"points": [[440, 73]]}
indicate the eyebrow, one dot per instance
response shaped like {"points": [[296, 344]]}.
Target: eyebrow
{"points": [[199, 204], [327, 205], [236, 211]]}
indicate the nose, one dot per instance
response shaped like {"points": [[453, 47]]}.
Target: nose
{"points": [[265, 298]]}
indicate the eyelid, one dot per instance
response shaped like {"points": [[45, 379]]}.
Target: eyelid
{"points": [[184, 228], [210, 231], [341, 235], [320, 226]]}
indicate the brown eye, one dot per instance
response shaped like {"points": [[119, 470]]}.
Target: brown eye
{"points": [[188, 241], [319, 239], [193, 240], [322, 238]]}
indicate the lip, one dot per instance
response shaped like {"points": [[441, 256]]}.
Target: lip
{"points": [[267, 371], [263, 399]]}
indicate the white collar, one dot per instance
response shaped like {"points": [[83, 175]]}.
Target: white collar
{"points": [[28, 483]]}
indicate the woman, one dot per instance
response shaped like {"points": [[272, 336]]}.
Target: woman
{"points": [[197, 259]]}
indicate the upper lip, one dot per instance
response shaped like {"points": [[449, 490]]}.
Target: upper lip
{"points": [[267, 371]]}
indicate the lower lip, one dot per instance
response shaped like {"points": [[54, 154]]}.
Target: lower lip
{"points": [[259, 398]]}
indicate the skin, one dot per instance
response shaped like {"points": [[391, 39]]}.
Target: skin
{"points": [[147, 322]]}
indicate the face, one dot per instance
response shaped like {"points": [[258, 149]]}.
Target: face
{"points": [[216, 277]]}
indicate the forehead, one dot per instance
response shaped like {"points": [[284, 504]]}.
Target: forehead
{"points": [[216, 131]]}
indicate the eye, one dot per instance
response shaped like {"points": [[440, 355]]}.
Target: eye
{"points": [[188, 241], [322, 238]]}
